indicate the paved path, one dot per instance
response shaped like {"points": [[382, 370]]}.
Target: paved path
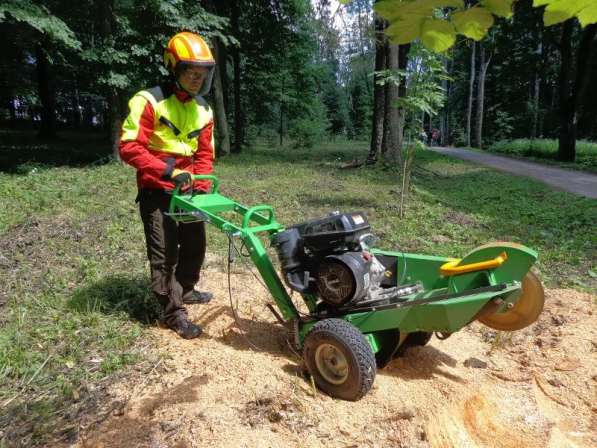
{"points": [[579, 182]]}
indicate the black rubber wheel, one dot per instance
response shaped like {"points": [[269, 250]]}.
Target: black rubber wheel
{"points": [[340, 359]]}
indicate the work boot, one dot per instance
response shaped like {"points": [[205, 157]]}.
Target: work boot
{"points": [[194, 297], [184, 327]]}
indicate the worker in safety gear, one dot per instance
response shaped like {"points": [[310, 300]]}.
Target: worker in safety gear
{"points": [[168, 137]]}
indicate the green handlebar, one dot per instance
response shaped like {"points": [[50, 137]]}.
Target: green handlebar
{"points": [[215, 182], [258, 208], [247, 216]]}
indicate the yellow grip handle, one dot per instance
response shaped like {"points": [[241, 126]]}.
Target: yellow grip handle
{"points": [[452, 268]]}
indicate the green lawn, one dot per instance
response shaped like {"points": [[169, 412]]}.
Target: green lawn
{"points": [[545, 151], [73, 278]]}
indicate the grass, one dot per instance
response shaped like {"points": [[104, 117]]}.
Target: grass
{"points": [[74, 280], [545, 150]]}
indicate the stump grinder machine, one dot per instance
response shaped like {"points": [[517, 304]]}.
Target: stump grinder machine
{"points": [[366, 305]]}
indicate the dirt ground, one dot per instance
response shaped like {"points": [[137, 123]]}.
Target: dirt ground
{"points": [[533, 388]]}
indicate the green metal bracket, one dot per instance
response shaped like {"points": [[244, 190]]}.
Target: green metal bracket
{"points": [[209, 207]]}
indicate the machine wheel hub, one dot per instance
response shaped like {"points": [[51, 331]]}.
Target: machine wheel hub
{"points": [[331, 364]]}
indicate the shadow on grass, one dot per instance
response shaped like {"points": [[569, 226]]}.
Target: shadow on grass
{"points": [[115, 294], [41, 421], [21, 151]]}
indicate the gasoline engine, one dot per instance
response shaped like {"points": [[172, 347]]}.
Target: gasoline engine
{"points": [[330, 258]]}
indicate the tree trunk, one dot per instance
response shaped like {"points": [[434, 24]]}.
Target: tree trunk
{"points": [[223, 67], [571, 94], [238, 113], [77, 117], [471, 88], [378, 93], [390, 142], [220, 8], [403, 51], [114, 119], [114, 122], [537, 88], [281, 126], [222, 136], [587, 120], [12, 110], [443, 118], [46, 94], [536, 97], [483, 65], [567, 140]]}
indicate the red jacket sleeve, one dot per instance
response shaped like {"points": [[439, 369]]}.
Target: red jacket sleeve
{"points": [[136, 132], [204, 157]]}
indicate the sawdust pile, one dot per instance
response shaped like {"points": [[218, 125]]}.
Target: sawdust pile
{"points": [[533, 388]]}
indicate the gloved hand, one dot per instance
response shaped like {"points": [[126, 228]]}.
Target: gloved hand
{"points": [[181, 178]]}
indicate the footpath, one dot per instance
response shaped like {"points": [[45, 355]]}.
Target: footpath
{"points": [[578, 182]]}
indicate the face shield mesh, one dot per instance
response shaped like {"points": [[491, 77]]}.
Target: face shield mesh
{"points": [[207, 82], [206, 87]]}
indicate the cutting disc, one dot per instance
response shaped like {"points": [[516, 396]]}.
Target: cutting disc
{"points": [[524, 312]]}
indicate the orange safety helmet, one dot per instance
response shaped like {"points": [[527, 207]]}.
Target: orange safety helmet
{"points": [[189, 49]]}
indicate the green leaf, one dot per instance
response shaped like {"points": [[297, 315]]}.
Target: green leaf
{"points": [[404, 31], [537, 3], [438, 35], [501, 8], [400, 9], [588, 15], [561, 10], [473, 23], [387, 9], [41, 19]]}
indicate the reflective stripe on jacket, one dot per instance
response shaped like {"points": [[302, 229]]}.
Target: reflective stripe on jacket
{"points": [[166, 129]]}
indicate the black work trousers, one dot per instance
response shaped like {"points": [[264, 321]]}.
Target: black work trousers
{"points": [[175, 251]]}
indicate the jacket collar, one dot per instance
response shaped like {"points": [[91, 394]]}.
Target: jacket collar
{"points": [[181, 95]]}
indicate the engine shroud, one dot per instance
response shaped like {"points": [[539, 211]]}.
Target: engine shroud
{"points": [[343, 278], [326, 257]]}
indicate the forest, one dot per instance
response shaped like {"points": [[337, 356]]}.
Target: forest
{"points": [[452, 306], [302, 71]]}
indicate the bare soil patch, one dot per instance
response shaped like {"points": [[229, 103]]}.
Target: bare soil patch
{"points": [[533, 388]]}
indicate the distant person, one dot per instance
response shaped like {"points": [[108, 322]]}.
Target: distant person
{"points": [[435, 137], [168, 137]]}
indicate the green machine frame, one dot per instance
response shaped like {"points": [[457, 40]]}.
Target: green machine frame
{"points": [[445, 315], [453, 293]]}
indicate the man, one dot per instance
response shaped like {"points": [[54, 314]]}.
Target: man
{"points": [[168, 137], [435, 137]]}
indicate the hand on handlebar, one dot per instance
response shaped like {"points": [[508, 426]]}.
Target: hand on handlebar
{"points": [[181, 178]]}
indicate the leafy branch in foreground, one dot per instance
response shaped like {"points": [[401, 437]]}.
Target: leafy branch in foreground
{"points": [[39, 18], [410, 20]]}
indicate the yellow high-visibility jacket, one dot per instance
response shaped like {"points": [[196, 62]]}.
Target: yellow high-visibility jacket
{"points": [[166, 129]]}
